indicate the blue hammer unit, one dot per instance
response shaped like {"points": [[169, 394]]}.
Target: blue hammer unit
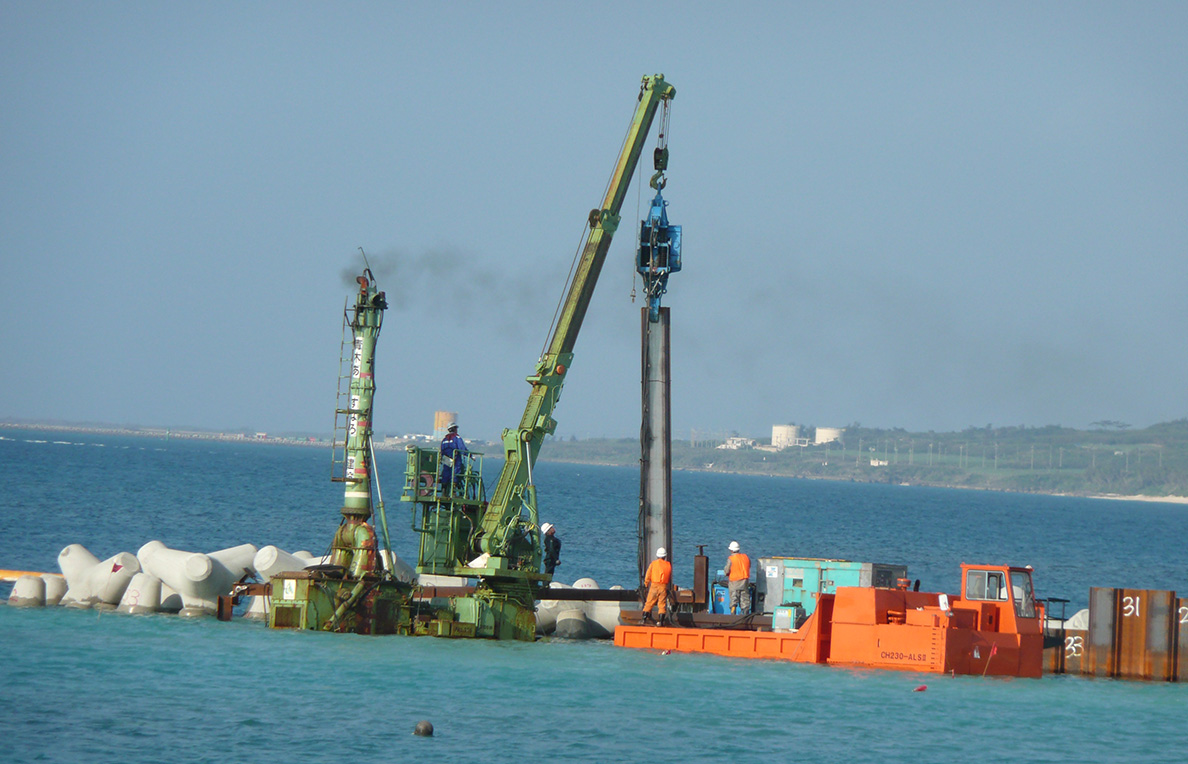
{"points": [[659, 253]]}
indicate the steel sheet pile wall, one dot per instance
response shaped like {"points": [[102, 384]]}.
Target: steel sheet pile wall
{"points": [[1132, 634]]}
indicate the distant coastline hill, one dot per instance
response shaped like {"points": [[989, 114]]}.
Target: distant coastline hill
{"points": [[1110, 459]]}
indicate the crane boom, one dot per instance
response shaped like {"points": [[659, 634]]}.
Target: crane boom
{"points": [[521, 446]]}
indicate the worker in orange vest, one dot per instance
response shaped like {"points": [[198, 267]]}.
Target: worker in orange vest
{"points": [[657, 579], [738, 571]]}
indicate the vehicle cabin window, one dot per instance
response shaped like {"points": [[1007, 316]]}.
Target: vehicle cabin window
{"points": [[1024, 596], [985, 585]]}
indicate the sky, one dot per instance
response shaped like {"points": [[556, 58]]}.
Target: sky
{"points": [[919, 215]]}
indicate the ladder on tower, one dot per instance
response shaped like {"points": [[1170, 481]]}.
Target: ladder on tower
{"points": [[342, 400]]}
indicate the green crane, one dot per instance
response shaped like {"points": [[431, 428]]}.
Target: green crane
{"points": [[498, 542]]}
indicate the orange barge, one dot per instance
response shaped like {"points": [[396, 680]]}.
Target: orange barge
{"points": [[992, 629]]}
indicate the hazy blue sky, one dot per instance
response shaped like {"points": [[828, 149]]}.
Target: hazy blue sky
{"points": [[928, 215]]}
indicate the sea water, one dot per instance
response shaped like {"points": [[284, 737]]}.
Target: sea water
{"points": [[84, 686]]}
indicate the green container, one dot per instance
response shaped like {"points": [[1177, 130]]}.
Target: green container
{"points": [[799, 581]]}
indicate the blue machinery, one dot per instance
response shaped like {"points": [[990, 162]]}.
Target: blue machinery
{"points": [[659, 254]]}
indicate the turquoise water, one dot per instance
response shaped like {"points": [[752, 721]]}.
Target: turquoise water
{"points": [[78, 686]]}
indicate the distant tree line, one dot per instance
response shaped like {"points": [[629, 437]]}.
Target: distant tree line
{"points": [[1111, 458]]}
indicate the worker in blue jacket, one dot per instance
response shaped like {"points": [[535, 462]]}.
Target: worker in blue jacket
{"points": [[453, 450]]}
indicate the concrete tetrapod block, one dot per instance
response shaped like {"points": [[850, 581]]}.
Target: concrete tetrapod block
{"points": [[111, 577], [600, 618], [572, 624], [75, 561], [400, 569], [143, 595], [547, 610], [94, 583], [268, 562], [603, 618], [55, 588], [271, 560], [28, 591], [198, 578], [171, 601], [257, 609]]}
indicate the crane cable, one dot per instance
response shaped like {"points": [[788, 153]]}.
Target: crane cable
{"points": [[588, 227]]}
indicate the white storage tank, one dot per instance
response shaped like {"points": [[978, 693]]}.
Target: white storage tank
{"points": [[442, 421], [828, 434], [784, 435]]}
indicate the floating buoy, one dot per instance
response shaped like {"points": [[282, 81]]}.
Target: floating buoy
{"points": [[423, 729], [921, 688]]}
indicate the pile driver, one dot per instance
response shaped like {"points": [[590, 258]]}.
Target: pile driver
{"points": [[496, 541]]}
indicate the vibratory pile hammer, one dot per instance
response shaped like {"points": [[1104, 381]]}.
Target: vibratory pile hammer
{"points": [[659, 243]]}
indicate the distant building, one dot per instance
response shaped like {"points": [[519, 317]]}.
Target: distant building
{"points": [[441, 420], [827, 435], [786, 435], [737, 444]]}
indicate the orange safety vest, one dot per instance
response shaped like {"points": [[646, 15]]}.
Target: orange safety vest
{"points": [[659, 572], [740, 567]]}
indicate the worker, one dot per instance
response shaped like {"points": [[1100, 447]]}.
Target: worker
{"points": [[453, 450], [552, 547], [657, 579], [738, 572]]}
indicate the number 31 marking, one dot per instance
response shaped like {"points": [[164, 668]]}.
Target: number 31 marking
{"points": [[1130, 606]]}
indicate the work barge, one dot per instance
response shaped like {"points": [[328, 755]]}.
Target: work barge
{"points": [[994, 628], [1135, 634]]}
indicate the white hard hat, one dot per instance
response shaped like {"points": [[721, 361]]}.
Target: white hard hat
{"points": [[734, 546], [452, 426], [544, 528], [661, 552]]}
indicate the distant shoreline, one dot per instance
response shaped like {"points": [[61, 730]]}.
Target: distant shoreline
{"points": [[164, 433], [1109, 496], [1118, 497], [295, 441]]}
